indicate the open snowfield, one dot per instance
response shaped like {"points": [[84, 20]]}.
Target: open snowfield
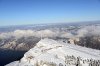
{"points": [[49, 52]]}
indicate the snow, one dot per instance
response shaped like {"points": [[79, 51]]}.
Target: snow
{"points": [[48, 51]]}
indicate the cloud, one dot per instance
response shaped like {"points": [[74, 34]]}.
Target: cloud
{"points": [[45, 33], [89, 31], [66, 35], [23, 33], [36, 33]]}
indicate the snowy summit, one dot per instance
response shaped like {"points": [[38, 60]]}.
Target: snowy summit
{"points": [[48, 52]]}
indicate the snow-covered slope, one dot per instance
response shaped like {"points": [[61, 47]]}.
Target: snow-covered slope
{"points": [[49, 52]]}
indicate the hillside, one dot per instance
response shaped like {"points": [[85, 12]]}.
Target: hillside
{"points": [[48, 52]]}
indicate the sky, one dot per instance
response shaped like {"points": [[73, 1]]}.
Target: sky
{"points": [[22, 12]]}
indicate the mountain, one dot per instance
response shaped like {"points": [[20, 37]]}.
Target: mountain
{"points": [[49, 52], [22, 44]]}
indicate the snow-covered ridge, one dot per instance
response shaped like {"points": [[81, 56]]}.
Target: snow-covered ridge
{"points": [[49, 52]]}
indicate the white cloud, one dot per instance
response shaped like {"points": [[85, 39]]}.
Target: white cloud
{"points": [[88, 31]]}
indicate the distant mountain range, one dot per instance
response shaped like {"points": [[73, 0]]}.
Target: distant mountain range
{"points": [[44, 26]]}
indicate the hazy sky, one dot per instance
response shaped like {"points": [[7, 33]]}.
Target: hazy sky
{"points": [[18, 12]]}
